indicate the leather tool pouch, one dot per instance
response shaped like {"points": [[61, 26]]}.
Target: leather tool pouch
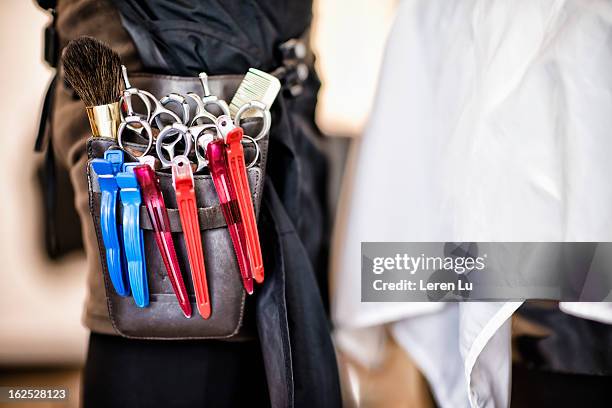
{"points": [[163, 318]]}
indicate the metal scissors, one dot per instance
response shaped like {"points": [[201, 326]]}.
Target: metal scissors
{"points": [[206, 133], [225, 125], [259, 106], [200, 113], [134, 121], [180, 132], [203, 102], [159, 108], [202, 136], [155, 110], [126, 99]]}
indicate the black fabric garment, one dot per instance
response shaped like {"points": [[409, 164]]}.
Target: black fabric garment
{"points": [[299, 171], [538, 389], [229, 37], [291, 318], [129, 373], [225, 37], [216, 36], [575, 345], [294, 333]]}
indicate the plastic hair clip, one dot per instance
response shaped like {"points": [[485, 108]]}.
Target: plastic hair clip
{"points": [[182, 179], [238, 176], [115, 158], [215, 153], [108, 224], [154, 202], [133, 240]]}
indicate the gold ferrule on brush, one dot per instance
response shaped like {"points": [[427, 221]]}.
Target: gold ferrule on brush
{"points": [[104, 120]]}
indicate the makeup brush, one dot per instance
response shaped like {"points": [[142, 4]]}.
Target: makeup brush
{"points": [[93, 70]]}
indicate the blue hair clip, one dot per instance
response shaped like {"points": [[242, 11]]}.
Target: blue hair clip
{"points": [[133, 239], [108, 224], [116, 157]]}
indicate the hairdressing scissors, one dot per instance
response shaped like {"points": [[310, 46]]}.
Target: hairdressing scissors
{"points": [[225, 124], [203, 102], [126, 100], [134, 121], [202, 135], [160, 110], [258, 106], [156, 109], [180, 132], [201, 114]]}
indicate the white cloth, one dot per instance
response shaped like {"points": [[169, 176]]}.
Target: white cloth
{"points": [[600, 311], [492, 122]]}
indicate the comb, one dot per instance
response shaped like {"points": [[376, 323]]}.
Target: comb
{"points": [[256, 86]]}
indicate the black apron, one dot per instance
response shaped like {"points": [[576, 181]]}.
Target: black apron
{"points": [[219, 37]]}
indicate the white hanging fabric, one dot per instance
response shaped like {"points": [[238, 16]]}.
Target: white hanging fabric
{"points": [[493, 122]]}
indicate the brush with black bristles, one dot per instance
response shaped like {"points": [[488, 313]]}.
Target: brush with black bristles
{"points": [[93, 70]]}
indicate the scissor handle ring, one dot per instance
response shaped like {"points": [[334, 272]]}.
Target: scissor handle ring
{"points": [[267, 119], [156, 117], [127, 122], [200, 129], [201, 112], [203, 115], [168, 131], [224, 125], [257, 150], [196, 98], [179, 100], [213, 100], [126, 98], [198, 132], [159, 110]]}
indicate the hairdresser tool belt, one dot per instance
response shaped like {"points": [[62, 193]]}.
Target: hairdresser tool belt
{"points": [[155, 313]]}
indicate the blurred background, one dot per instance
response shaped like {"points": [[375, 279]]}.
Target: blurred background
{"points": [[42, 340]]}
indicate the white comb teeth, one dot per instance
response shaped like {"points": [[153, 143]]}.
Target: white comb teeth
{"points": [[256, 86]]}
